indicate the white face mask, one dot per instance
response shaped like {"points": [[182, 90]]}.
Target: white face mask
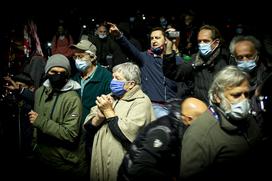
{"points": [[239, 110], [246, 65], [102, 36], [205, 48], [81, 65]]}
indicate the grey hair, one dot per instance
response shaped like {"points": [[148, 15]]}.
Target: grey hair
{"points": [[256, 43], [130, 71], [230, 76]]}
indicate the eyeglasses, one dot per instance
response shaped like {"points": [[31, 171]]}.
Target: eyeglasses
{"points": [[81, 55]]}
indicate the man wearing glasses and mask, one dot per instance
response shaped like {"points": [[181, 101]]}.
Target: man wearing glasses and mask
{"points": [[93, 79]]}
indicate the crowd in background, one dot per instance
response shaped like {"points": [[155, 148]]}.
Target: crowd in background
{"points": [[82, 62]]}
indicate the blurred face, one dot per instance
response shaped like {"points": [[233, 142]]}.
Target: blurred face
{"points": [[157, 39], [245, 51], [233, 95], [61, 30], [21, 84], [56, 70], [188, 20], [205, 36], [102, 30]]}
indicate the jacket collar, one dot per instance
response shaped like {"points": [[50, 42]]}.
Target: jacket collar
{"points": [[70, 85]]}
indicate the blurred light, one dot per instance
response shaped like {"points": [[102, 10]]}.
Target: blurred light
{"points": [[49, 44], [143, 16], [93, 20], [84, 26]]}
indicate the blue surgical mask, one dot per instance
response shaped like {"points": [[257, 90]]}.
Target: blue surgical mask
{"points": [[81, 65], [117, 88], [205, 48], [246, 66], [239, 110]]}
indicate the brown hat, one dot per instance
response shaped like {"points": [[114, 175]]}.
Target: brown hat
{"points": [[86, 45]]}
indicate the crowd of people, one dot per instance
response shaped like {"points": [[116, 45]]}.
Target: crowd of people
{"points": [[100, 107]]}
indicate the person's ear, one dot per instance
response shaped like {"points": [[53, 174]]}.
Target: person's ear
{"points": [[217, 41], [190, 120], [131, 84], [187, 120]]}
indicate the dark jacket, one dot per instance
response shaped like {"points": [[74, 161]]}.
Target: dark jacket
{"points": [[99, 84], [155, 153], [108, 51], [199, 73], [216, 147]]}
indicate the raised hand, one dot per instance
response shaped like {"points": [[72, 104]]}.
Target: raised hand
{"points": [[114, 31]]}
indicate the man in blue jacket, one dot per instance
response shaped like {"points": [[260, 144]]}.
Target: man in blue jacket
{"points": [[154, 83]]}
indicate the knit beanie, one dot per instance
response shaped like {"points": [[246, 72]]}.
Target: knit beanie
{"points": [[58, 60]]}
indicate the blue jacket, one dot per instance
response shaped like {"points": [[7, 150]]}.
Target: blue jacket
{"points": [[154, 83]]}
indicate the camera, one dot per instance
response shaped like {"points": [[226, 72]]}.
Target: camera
{"points": [[172, 34]]}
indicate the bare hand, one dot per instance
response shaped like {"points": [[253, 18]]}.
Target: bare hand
{"points": [[32, 116], [172, 44], [98, 119], [105, 104], [11, 85], [114, 31]]}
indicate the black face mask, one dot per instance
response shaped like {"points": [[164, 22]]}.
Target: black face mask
{"points": [[57, 81]]}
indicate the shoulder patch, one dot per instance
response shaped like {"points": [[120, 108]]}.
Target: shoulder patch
{"points": [[158, 138]]}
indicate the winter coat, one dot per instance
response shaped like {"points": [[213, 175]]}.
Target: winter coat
{"points": [[57, 140], [215, 146], [134, 111], [155, 153]]}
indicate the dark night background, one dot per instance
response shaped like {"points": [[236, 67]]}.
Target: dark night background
{"points": [[221, 13]]}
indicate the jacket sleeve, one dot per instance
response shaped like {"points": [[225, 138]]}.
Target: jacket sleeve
{"points": [[131, 49], [172, 70], [87, 125], [139, 115], [150, 161], [194, 155], [117, 133], [67, 129], [27, 95]]}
